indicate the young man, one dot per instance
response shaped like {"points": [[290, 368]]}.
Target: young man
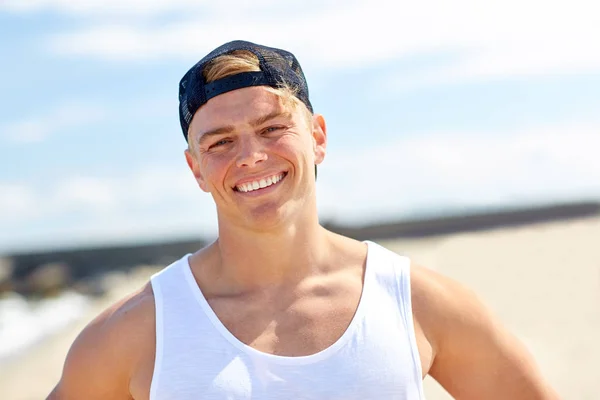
{"points": [[278, 307]]}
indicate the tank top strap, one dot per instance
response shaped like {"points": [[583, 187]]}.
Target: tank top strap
{"points": [[391, 272]]}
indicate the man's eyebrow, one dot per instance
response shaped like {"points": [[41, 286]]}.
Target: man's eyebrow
{"points": [[213, 132], [270, 116], [256, 122]]}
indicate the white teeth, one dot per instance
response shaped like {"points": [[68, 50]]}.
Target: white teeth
{"points": [[263, 183]]}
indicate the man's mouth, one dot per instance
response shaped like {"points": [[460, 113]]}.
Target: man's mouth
{"points": [[260, 184]]}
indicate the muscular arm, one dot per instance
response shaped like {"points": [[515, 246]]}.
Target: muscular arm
{"points": [[474, 356], [101, 361]]}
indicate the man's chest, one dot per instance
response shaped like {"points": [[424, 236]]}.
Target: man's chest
{"points": [[289, 327]]}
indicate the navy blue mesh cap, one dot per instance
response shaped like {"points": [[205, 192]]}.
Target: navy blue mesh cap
{"points": [[277, 67]]}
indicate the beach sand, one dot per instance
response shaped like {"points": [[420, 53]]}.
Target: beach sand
{"points": [[542, 281]]}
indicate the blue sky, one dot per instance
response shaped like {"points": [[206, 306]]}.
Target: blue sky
{"points": [[431, 107]]}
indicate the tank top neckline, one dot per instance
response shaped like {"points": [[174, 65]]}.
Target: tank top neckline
{"points": [[296, 360]]}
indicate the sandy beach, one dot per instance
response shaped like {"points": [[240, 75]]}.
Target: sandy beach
{"points": [[543, 282]]}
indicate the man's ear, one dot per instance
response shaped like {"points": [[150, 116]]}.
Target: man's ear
{"points": [[195, 168], [319, 133]]}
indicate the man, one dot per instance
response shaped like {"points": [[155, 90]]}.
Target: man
{"points": [[278, 307]]}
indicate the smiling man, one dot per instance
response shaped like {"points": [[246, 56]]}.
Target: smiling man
{"points": [[278, 307]]}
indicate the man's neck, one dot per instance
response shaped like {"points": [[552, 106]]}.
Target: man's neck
{"points": [[251, 260]]}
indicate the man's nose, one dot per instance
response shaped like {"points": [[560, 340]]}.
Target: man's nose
{"points": [[251, 152]]}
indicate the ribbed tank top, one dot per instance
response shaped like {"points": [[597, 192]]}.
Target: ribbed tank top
{"points": [[375, 358]]}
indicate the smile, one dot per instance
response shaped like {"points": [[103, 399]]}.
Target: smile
{"points": [[260, 184]]}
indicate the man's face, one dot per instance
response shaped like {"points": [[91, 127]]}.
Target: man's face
{"points": [[255, 155]]}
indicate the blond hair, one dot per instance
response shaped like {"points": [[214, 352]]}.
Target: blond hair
{"points": [[239, 61]]}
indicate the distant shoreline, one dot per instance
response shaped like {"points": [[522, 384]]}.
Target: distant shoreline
{"points": [[470, 221]]}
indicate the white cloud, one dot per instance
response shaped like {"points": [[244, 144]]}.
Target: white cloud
{"points": [[145, 203], [40, 127], [494, 38], [137, 9], [86, 193], [181, 40], [103, 7], [16, 202], [148, 187], [443, 169]]}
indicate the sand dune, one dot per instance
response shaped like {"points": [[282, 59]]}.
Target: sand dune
{"points": [[543, 281]]}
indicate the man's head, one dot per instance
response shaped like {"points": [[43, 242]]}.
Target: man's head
{"points": [[245, 113], [236, 65]]}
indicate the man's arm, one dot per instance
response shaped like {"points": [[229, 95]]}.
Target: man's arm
{"points": [[474, 356], [102, 359]]}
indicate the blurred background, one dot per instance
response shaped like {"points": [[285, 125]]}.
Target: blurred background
{"points": [[464, 134]]}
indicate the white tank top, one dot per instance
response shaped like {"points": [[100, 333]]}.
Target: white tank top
{"points": [[375, 358]]}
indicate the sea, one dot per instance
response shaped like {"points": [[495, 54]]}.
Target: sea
{"points": [[25, 322]]}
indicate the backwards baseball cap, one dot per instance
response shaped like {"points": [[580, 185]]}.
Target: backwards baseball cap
{"points": [[278, 68]]}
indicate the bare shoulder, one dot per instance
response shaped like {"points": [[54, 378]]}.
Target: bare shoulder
{"points": [[437, 300], [474, 355], [107, 352]]}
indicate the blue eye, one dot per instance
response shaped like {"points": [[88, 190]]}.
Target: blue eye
{"points": [[220, 143], [273, 129]]}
